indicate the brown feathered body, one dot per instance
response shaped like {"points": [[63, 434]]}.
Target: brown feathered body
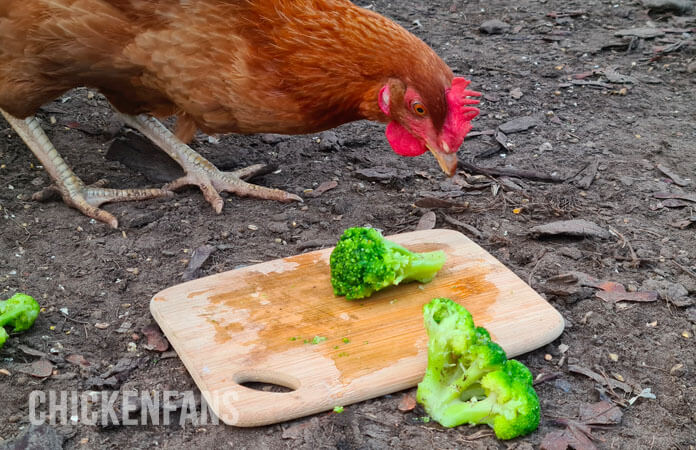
{"points": [[244, 66]]}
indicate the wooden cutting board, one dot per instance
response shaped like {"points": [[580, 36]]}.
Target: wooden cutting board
{"points": [[279, 322]]}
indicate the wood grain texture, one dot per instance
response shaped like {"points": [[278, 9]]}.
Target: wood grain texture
{"points": [[251, 324]]}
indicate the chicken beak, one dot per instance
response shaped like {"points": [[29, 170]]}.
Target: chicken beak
{"points": [[448, 161]]}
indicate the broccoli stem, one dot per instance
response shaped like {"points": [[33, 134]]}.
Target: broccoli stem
{"points": [[472, 375], [474, 391], [423, 267], [451, 393], [463, 384], [473, 412]]}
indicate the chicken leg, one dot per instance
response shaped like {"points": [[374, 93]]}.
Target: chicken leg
{"points": [[201, 172], [71, 188]]}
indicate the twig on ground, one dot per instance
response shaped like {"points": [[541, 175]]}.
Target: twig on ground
{"points": [[546, 377], [570, 13], [75, 320], [661, 369], [635, 261], [541, 256], [618, 399], [654, 233], [466, 226], [685, 269], [510, 172]]}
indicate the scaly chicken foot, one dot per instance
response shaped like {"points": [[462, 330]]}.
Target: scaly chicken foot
{"points": [[72, 189], [201, 172], [52, 192]]}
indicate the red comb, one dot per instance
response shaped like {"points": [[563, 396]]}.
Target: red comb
{"points": [[457, 124], [459, 85], [459, 94], [458, 97]]}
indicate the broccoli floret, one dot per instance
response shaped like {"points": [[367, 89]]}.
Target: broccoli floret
{"points": [[19, 311], [480, 359], [469, 378], [364, 262], [509, 404]]}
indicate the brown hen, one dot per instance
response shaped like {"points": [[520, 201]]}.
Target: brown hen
{"points": [[241, 66]]}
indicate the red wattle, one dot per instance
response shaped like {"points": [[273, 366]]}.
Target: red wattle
{"points": [[403, 142]]}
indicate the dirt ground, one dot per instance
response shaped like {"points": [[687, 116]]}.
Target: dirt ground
{"points": [[613, 126]]}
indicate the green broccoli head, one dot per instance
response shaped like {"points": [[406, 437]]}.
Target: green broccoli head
{"points": [[19, 312], [517, 370], [364, 262], [469, 378], [511, 404]]}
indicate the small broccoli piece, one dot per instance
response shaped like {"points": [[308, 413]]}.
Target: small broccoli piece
{"points": [[364, 262], [19, 312], [3, 336], [509, 405], [469, 378]]}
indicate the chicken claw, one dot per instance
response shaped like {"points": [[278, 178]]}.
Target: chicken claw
{"points": [[72, 189], [86, 198], [201, 172]]}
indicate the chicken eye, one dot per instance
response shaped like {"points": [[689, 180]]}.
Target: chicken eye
{"points": [[419, 109]]}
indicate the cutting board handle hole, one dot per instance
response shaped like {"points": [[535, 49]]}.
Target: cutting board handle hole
{"points": [[267, 381]]}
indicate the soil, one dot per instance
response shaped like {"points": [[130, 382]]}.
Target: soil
{"points": [[602, 134]]}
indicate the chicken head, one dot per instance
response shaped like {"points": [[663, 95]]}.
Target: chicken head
{"points": [[411, 130]]}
